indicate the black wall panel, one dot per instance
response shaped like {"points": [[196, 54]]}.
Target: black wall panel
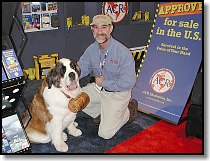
{"points": [[73, 44]]}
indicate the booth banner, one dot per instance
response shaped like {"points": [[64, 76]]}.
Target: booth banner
{"points": [[172, 61]]}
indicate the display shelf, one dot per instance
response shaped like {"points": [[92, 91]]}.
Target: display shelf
{"points": [[14, 138], [11, 91]]}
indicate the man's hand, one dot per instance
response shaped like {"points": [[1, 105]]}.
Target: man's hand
{"points": [[99, 81]]}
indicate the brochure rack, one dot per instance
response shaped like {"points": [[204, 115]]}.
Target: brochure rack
{"points": [[11, 91], [12, 94], [14, 138]]}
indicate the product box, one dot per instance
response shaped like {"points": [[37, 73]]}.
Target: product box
{"points": [[43, 63], [11, 64]]}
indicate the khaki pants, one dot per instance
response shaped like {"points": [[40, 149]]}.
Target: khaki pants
{"points": [[113, 107]]}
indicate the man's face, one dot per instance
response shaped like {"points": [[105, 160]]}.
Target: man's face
{"points": [[101, 33]]}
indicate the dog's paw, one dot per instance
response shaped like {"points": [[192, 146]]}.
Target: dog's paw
{"points": [[75, 124], [61, 147], [65, 137], [75, 132]]}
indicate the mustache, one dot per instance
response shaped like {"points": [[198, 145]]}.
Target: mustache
{"points": [[101, 35], [97, 35]]}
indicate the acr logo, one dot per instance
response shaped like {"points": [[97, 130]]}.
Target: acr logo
{"points": [[116, 10], [162, 80]]}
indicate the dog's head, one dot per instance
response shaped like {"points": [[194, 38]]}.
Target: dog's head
{"points": [[65, 74]]}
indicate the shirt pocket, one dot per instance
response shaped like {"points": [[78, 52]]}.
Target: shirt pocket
{"points": [[112, 70]]}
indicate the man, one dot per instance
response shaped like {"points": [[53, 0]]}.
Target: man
{"points": [[114, 69]]}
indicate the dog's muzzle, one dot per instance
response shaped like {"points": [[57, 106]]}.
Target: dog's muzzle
{"points": [[72, 86]]}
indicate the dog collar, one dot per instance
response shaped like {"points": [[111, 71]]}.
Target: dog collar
{"points": [[66, 95]]}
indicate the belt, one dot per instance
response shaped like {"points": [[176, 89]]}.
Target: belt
{"points": [[109, 90]]}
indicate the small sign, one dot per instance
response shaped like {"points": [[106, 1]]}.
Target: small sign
{"points": [[116, 10]]}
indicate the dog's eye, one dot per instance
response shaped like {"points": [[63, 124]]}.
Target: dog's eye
{"points": [[63, 70]]}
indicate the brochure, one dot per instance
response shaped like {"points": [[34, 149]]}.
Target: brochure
{"points": [[45, 20], [26, 7], [35, 7], [36, 20], [11, 64], [27, 22], [14, 134], [5, 144]]}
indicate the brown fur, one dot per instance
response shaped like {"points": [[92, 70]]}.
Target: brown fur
{"points": [[39, 112]]}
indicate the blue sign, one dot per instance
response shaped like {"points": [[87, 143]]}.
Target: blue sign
{"points": [[172, 61]]}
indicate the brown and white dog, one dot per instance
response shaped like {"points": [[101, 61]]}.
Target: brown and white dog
{"points": [[49, 107]]}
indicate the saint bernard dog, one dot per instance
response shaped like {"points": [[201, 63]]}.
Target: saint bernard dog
{"points": [[49, 106]]}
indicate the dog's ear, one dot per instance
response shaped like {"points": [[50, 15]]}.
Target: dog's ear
{"points": [[53, 76], [49, 78], [76, 67]]}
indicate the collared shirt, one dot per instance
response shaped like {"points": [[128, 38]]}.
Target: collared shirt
{"points": [[119, 67]]}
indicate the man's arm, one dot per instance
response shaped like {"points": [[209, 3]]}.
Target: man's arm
{"points": [[85, 64]]}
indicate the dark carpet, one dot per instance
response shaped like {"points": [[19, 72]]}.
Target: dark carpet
{"points": [[89, 141]]}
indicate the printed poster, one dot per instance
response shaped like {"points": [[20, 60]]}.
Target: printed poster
{"points": [[172, 61]]}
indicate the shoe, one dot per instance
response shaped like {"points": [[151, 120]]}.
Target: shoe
{"points": [[97, 120], [133, 106]]}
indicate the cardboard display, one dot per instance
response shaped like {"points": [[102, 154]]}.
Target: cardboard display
{"points": [[172, 61]]}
